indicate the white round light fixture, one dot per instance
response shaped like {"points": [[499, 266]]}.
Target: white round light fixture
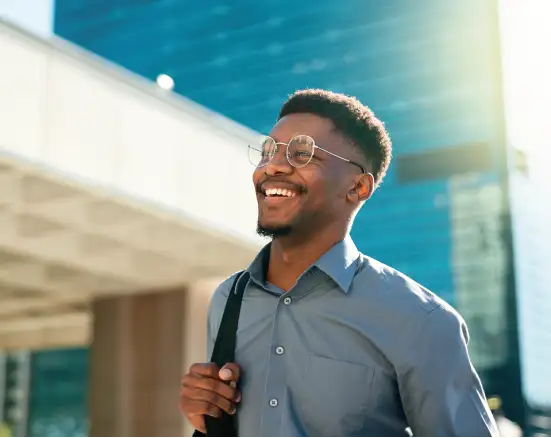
{"points": [[165, 82]]}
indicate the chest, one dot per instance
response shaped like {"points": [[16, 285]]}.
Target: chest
{"points": [[312, 363]]}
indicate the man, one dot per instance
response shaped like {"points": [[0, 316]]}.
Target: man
{"points": [[332, 342]]}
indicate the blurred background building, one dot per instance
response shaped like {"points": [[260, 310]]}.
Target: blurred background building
{"points": [[463, 88]]}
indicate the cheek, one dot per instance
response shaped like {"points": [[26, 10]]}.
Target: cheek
{"points": [[331, 188], [325, 186], [321, 187]]}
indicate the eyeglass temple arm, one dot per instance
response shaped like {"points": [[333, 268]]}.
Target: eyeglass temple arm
{"points": [[364, 170]]}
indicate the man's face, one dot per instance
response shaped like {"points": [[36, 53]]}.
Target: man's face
{"points": [[314, 195]]}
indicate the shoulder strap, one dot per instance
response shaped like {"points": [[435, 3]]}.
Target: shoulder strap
{"points": [[224, 352], [224, 346]]}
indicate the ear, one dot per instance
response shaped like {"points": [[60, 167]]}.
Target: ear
{"points": [[363, 188]]}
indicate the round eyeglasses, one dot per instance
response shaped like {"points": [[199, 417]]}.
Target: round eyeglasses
{"points": [[299, 152]]}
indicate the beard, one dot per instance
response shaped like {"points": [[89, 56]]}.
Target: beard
{"points": [[274, 232]]}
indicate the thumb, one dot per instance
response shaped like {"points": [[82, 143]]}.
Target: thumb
{"points": [[230, 372]]}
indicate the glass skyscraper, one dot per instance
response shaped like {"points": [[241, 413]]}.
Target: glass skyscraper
{"points": [[430, 70]]}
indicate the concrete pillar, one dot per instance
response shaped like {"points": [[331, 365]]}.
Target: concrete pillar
{"points": [[142, 345], [137, 363], [195, 326]]}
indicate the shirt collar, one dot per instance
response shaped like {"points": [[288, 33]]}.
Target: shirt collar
{"points": [[339, 263], [259, 266]]}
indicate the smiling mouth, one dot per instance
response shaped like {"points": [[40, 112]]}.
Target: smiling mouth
{"points": [[275, 196], [279, 193]]}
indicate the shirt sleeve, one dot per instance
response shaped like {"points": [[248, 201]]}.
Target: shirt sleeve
{"points": [[440, 390], [211, 334]]}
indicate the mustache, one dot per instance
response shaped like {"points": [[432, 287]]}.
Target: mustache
{"points": [[299, 188]]}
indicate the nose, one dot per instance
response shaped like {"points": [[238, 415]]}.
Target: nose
{"points": [[279, 165]]}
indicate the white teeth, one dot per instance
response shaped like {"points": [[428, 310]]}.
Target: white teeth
{"points": [[280, 192]]}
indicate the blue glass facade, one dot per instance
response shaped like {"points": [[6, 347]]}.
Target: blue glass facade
{"points": [[58, 399], [429, 70]]}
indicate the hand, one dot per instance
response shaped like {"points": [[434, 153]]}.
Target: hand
{"points": [[207, 390]]}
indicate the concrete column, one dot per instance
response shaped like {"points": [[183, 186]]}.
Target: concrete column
{"points": [[195, 326], [137, 363]]}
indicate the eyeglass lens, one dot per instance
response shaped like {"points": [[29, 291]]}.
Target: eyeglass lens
{"points": [[299, 151]]}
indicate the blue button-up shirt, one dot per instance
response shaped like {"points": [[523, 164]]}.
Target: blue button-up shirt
{"points": [[355, 348]]}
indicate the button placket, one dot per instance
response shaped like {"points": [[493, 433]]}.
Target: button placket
{"points": [[275, 389]]}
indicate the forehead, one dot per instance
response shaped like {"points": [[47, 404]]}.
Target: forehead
{"points": [[320, 129]]}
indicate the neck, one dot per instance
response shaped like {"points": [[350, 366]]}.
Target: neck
{"points": [[290, 256]]}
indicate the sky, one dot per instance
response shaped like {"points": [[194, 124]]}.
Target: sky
{"points": [[34, 15]]}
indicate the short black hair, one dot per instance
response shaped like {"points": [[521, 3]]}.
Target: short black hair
{"points": [[353, 119]]}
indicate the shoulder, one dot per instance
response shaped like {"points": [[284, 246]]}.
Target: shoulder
{"points": [[410, 305], [223, 290], [414, 321], [219, 298], [393, 288]]}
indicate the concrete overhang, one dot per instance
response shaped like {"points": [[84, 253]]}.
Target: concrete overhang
{"points": [[108, 185]]}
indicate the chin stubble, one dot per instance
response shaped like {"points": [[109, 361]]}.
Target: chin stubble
{"points": [[273, 232]]}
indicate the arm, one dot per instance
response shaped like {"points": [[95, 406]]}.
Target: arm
{"points": [[441, 392]]}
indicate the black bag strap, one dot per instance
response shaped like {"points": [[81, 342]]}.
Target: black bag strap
{"points": [[224, 352]]}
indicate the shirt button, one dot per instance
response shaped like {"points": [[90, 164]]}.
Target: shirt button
{"points": [[287, 301], [273, 403], [280, 350]]}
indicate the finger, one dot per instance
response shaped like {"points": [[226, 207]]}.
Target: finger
{"points": [[193, 408], [210, 397], [198, 423], [223, 389], [197, 420], [208, 369], [233, 384], [230, 371]]}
